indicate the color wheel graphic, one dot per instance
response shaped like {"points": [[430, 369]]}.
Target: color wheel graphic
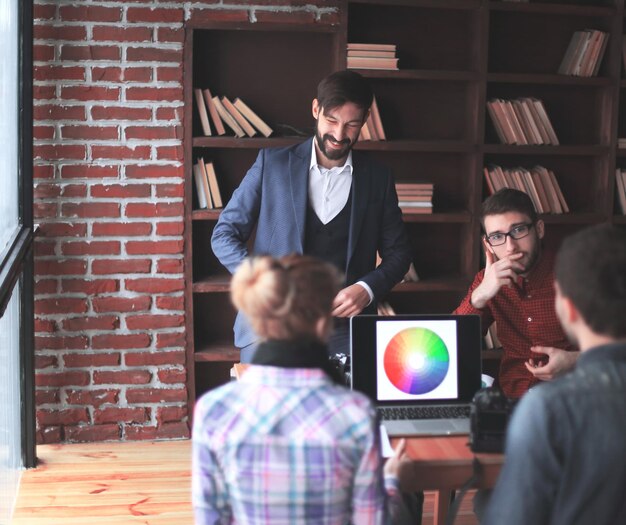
{"points": [[416, 360]]}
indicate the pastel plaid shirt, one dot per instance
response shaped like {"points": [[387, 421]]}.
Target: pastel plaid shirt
{"points": [[287, 446]]}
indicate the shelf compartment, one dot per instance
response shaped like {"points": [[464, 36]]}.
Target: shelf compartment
{"points": [[584, 150], [451, 146], [247, 143], [548, 78], [420, 74], [450, 284], [584, 8]]}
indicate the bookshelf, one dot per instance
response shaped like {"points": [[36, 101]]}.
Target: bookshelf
{"points": [[454, 56]]}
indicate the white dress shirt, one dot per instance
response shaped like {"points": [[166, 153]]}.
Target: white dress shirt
{"points": [[329, 190]]}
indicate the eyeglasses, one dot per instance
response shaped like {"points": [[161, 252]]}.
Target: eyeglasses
{"points": [[519, 232]]}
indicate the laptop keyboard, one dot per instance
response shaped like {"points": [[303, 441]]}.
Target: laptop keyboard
{"points": [[431, 412]]}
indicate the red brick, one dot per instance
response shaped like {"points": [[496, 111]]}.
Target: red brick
{"points": [[91, 360], [138, 74], [121, 229], [158, 15], [44, 92], [155, 285], [155, 94], [169, 34], [160, 209], [78, 342], [90, 132], [285, 17], [90, 13], [81, 324], [170, 190], [43, 325], [86, 172], [119, 191], [91, 248], [60, 306], [169, 114], [199, 16], [170, 74], [154, 358], [90, 52], [43, 172], [62, 229], [120, 113], [44, 249], [68, 416], [152, 321], [60, 267], [170, 414], [46, 361], [153, 54], [164, 431], [47, 72], [43, 53], [122, 377], [59, 151], [92, 433], [46, 397], [152, 171], [75, 378], [122, 34], [170, 153], [74, 190], [170, 228], [44, 11], [156, 395], [170, 266], [120, 342], [120, 152], [112, 266], [93, 397], [333, 19], [45, 210], [50, 434], [46, 191], [90, 209], [153, 132], [59, 32], [106, 74], [169, 302], [154, 247], [89, 286], [172, 376], [56, 112], [90, 93], [43, 132], [121, 304], [125, 415]]}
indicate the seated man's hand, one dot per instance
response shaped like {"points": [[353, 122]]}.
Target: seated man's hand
{"points": [[559, 361], [393, 464], [350, 301]]}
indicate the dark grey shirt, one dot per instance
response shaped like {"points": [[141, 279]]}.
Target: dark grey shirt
{"points": [[566, 448]]}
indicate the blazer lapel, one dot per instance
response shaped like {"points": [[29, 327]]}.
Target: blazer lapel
{"points": [[299, 161], [360, 198]]}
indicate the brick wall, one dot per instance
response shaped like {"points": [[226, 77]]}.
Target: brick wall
{"points": [[108, 168]]}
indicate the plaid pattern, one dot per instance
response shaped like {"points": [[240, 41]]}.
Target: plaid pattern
{"points": [[286, 446], [525, 317]]}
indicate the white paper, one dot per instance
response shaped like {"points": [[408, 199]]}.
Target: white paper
{"points": [[385, 444]]}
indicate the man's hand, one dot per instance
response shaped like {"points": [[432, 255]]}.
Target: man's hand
{"points": [[393, 464], [559, 361], [498, 273], [350, 301]]}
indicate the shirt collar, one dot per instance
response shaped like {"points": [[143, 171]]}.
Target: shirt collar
{"points": [[285, 377], [339, 169]]}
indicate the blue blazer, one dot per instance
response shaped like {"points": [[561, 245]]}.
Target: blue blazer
{"points": [[273, 197]]}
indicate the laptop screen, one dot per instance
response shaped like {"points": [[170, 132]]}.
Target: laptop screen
{"points": [[416, 359]]}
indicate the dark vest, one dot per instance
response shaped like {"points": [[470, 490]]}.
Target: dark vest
{"points": [[329, 241]]}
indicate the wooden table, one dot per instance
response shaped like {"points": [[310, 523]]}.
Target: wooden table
{"points": [[444, 464]]}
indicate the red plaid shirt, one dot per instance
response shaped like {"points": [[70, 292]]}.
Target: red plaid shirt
{"points": [[525, 317]]}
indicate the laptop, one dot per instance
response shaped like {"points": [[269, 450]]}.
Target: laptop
{"points": [[421, 371]]}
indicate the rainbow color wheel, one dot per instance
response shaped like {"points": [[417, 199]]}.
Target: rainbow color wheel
{"points": [[416, 360]]}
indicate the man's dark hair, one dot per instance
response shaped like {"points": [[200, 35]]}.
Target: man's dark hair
{"points": [[591, 271], [505, 201], [344, 86]]}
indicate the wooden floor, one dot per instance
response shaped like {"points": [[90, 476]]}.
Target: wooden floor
{"points": [[146, 483]]}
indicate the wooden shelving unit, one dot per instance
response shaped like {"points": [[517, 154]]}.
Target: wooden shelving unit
{"points": [[454, 55]]}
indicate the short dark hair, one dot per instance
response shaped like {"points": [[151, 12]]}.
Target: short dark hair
{"points": [[507, 200], [591, 271], [344, 86]]}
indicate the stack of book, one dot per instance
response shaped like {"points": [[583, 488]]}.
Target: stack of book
{"points": [[415, 197], [621, 142], [207, 189], [620, 178], [235, 115], [539, 183], [373, 127], [584, 53], [372, 56], [522, 121]]}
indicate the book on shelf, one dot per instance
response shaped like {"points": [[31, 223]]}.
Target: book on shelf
{"points": [[352, 46], [584, 53], [236, 114], [372, 63], [415, 197], [620, 179], [373, 127], [252, 117], [228, 118], [202, 111], [384, 308], [371, 56], [539, 183], [215, 116], [209, 170], [202, 187], [521, 122], [491, 338], [371, 53]]}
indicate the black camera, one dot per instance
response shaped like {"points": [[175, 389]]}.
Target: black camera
{"points": [[490, 411]]}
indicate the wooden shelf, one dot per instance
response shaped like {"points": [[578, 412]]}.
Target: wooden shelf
{"points": [[212, 284], [216, 352], [462, 217], [420, 74], [245, 143], [557, 80], [582, 150], [432, 146], [454, 284], [553, 9]]}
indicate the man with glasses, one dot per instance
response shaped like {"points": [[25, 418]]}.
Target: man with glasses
{"points": [[516, 290]]}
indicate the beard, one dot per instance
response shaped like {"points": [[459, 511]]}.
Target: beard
{"points": [[329, 153], [530, 258]]}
